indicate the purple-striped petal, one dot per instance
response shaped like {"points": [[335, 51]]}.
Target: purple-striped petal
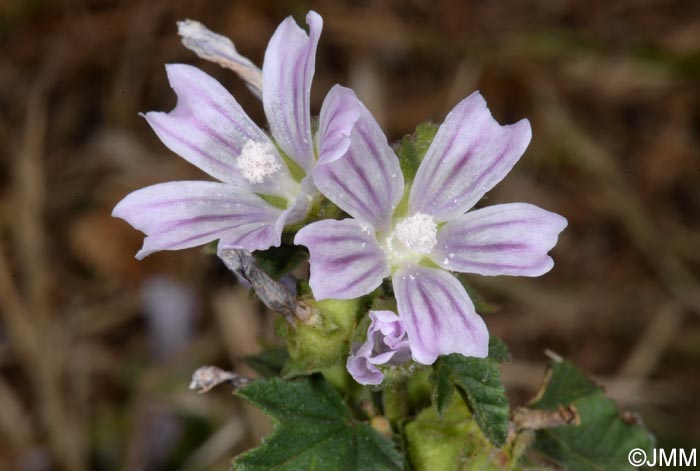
{"points": [[391, 328], [340, 111], [505, 239], [439, 316], [208, 127], [366, 180], [386, 344], [288, 69], [346, 260], [362, 369], [470, 154], [179, 215]]}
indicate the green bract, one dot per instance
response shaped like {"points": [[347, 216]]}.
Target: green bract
{"points": [[478, 381]]}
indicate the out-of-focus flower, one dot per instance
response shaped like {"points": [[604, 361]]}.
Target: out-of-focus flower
{"points": [[430, 233], [263, 182], [171, 310], [386, 344]]}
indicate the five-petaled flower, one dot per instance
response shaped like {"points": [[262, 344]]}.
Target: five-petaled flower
{"points": [[386, 344], [430, 233], [263, 181]]}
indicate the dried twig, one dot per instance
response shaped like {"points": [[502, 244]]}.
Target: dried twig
{"points": [[207, 377], [273, 294], [534, 419], [221, 50]]}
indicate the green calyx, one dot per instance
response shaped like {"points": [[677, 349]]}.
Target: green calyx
{"points": [[277, 201], [454, 442], [323, 339]]}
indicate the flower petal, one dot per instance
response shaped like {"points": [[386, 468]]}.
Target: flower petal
{"points": [[386, 343], [346, 260], [470, 154], [362, 370], [365, 180], [178, 215], [391, 327], [439, 316], [208, 127], [505, 239], [288, 69], [340, 111]]}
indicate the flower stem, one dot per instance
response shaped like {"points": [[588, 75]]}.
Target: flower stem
{"points": [[395, 401]]}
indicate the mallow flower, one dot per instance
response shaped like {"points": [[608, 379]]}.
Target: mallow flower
{"points": [[418, 235], [263, 181], [386, 344]]}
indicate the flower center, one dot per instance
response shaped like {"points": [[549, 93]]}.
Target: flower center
{"points": [[418, 233], [257, 161]]}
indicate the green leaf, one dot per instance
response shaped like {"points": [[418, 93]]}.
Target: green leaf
{"points": [[478, 381], [278, 261], [313, 431], [603, 439], [454, 442]]}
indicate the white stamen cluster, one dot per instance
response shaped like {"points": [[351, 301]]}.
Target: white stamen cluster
{"points": [[417, 232], [257, 161]]}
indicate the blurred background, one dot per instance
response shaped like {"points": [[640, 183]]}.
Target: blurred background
{"points": [[97, 349]]}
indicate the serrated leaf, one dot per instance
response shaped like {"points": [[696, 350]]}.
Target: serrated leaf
{"points": [[314, 430], [602, 441], [478, 381]]}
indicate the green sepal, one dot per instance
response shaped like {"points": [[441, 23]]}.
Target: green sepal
{"points": [[411, 151], [210, 248], [413, 147], [455, 442], [478, 381], [313, 430], [603, 439], [323, 208], [278, 202], [323, 340], [295, 169]]}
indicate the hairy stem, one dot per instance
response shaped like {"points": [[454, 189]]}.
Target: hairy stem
{"points": [[395, 401]]}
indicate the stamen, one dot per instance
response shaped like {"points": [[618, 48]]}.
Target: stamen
{"points": [[418, 233], [257, 161]]}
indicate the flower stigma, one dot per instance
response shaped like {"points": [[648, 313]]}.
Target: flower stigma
{"points": [[411, 240], [418, 233], [257, 161]]}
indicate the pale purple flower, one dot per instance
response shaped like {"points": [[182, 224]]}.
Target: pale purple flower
{"points": [[386, 344], [263, 181], [431, 233]]}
